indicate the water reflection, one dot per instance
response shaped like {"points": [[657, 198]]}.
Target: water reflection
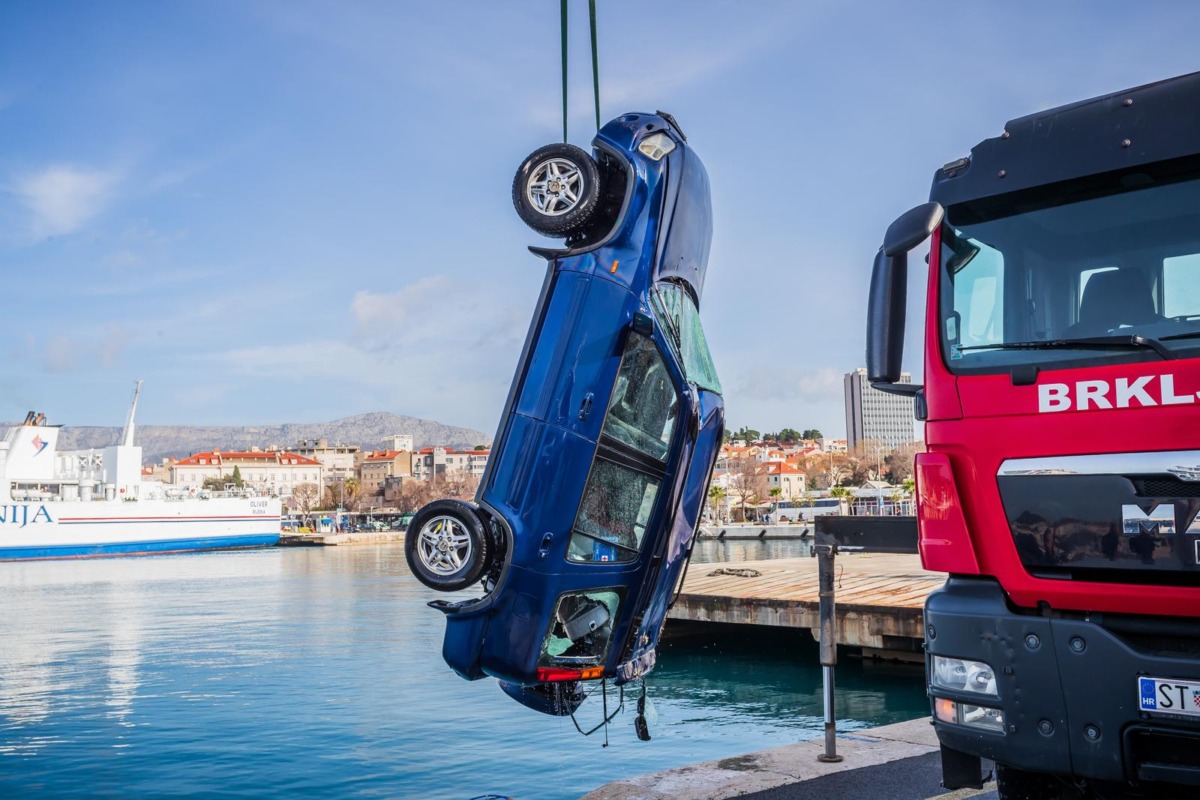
{"points": [[711, 551], [318, 672]]}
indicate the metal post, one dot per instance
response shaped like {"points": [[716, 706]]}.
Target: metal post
{"points": [[826, 550]]}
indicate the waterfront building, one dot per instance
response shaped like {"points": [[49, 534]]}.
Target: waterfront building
{"points": [[441, 461], [399, 441], [377, 466], [832, 445], [267, 472], [872, 415], [787, 478], [338, 460]]}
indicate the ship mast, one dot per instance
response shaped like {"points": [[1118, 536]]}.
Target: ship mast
{"points": [[127, 434]]}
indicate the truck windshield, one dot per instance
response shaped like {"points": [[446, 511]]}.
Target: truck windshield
{"points": [[1108, 271]]}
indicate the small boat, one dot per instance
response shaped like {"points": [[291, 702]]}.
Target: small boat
{"points": [[90, 503]]}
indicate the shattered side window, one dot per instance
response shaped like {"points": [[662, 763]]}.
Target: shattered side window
{"points": [[675, 309], [580, 630], [643, 406], [612, 519]]}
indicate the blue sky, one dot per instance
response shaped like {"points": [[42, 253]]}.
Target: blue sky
{"points": [[298, 211]]}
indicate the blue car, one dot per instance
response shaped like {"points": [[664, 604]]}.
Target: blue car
{"points": [[599, 472]]}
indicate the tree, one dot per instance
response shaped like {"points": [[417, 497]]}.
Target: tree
{"points": [[900, 461], [459, 484], [789, 435], [347, 494], [747, 435], [214, 483], [841, 493], [748, 481], [811, 433], [414, 494], [237, 477], [305, 496], [715, 495], [864, 460], [481, 447]]}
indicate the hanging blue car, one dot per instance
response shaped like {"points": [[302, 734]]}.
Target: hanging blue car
{"points": [[599, 471]]}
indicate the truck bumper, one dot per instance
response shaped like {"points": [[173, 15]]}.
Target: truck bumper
{"points": [[1067, 688]]}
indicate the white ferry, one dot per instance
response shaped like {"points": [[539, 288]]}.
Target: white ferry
{"points": [[88, 503]]}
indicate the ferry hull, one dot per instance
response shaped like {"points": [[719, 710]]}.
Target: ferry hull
{"points": [[31, 531]]}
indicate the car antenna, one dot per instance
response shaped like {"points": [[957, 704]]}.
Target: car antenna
{"points": [[595, 61]]}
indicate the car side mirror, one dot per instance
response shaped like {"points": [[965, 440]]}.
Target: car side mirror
{"points": [[643, 323], [886, 304]]}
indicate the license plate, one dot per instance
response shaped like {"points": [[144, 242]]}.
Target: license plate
{"points": [[1166, 696]]}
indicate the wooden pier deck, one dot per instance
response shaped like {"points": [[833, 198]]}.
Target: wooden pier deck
{"points": [[879, 598]]}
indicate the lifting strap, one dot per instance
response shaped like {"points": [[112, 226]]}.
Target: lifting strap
{"points": [[595, 61]]}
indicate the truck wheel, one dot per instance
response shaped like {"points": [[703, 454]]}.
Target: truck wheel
{"points": [[1016, 784], [557, 190], [446, 546]]}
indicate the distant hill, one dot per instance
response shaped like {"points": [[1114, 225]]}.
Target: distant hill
{"points": [[364, 430]]}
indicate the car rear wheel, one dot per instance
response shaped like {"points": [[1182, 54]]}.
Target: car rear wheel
{"points": [[557, 190], [446, 546]]}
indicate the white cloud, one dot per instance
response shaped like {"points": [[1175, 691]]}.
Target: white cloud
{"points": [[63, 198], [61, 352], [434, 348]]}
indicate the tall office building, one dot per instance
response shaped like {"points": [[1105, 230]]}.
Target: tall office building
{"points": [[875, 415]]}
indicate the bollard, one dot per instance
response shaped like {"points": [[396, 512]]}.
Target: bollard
{"points": [[825, 552]]}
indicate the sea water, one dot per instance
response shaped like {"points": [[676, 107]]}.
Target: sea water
{"points": [[317, 672]]}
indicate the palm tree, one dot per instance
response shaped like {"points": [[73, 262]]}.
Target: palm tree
{"points": [[841, 493], [716, 494]]}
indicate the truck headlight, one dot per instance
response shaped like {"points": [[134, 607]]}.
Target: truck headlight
{"points": [[961, 675], [968, 715]]}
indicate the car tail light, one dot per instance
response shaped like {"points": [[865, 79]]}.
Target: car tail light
{"points": [[656, 146], [552, 674], [943, 539]]}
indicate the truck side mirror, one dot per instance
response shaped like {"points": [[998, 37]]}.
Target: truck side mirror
{"points": [[886, 304]]}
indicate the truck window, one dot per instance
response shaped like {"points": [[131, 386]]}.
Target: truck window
{"points": [[1113, 261], [979, 297], [1181, 286]]}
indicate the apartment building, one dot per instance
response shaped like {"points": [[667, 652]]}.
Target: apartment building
{"points": [[877, 416], [268, 472]]}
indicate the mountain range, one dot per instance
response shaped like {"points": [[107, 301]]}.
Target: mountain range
{"points": [[365, 430]]}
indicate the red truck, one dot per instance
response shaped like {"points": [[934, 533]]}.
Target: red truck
{"points": [[1061, 487]]}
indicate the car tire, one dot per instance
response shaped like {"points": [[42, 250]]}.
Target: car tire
{"points": [[1017, 784], [447, 546], [557, 190]]}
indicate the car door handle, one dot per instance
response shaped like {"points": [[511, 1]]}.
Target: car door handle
{"points": [[585, 407], [544, 550]]}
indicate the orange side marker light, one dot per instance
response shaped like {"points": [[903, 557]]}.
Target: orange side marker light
{"points": [[614, 266]]}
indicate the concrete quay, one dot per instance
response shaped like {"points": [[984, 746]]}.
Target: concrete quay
{"points": [[893, 762], [334, 539]]}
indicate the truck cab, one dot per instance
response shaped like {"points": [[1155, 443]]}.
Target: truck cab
{"points": [[1061, 487]]}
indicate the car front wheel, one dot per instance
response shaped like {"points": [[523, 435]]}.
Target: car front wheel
{"points": [[557, 190], [446, 546]]}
